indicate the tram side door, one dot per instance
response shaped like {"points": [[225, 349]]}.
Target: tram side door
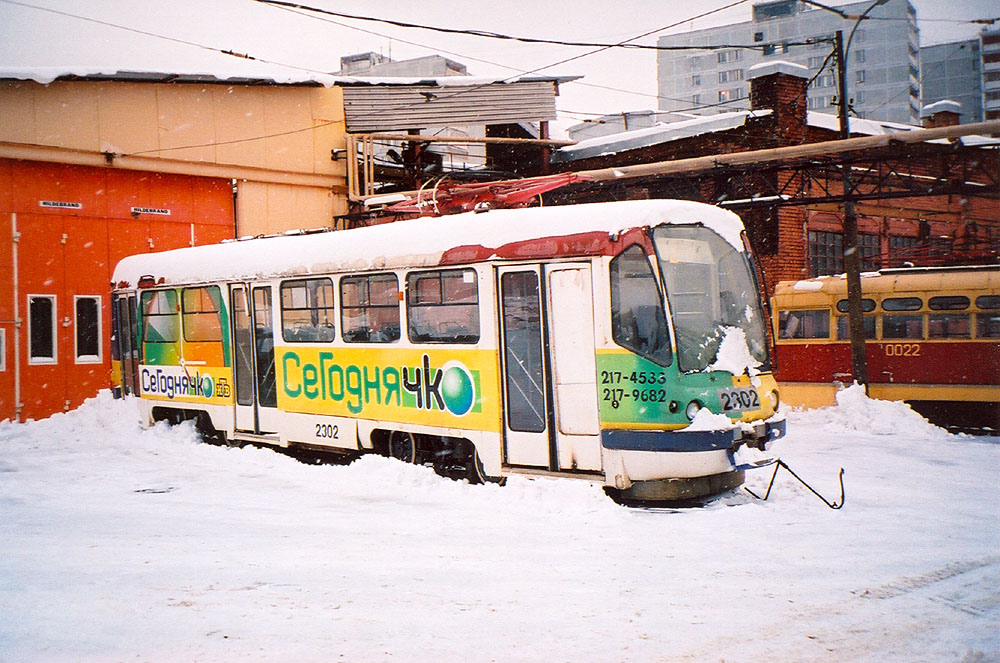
{"points": [[126, 330], [253, 344], [549, 374]]}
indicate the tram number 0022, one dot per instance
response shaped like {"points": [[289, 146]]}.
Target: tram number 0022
{"points": [[328, 431], [902, 350]]}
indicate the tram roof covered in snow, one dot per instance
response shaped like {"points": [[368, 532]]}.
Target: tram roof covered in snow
{"points": [[428, 241], [890, 281]]}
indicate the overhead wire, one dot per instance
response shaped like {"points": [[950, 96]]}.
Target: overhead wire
{"points": [[302, 9]]}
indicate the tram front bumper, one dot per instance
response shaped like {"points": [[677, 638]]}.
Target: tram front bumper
{"points": [[650, 455], [757, 434]]}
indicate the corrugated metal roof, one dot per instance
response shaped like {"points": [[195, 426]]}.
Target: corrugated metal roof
{"points": [[381, 107]]}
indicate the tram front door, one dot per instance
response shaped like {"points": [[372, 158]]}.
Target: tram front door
{"points": [[253, 343], [549, 373]]}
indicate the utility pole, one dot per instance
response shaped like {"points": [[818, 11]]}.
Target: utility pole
{"points": [[852, 259]]}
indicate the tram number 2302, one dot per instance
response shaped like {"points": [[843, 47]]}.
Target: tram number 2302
{"points": [[328, 431], [739, 399]]}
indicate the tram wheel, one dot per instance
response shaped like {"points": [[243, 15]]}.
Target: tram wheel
{"points": [[474, 471], [403, 447]]}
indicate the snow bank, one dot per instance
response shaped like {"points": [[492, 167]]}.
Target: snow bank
{"points": [[855, 411]]}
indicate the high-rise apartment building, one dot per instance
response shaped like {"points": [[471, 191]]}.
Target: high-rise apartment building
{"points": [[952, 72], [883, 68], [989, 46]]}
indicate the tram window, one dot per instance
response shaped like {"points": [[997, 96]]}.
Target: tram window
{"points": [[902, 304], [88, 329], [42, 329], [948, 325], [369, 308], [902, 326], [638, 321], [988, 325], [443, 306], [804, 324], [843, 327], [988, 301], [867, 305], [948, 303], [159, 317], [200, 312], [307, 313]]}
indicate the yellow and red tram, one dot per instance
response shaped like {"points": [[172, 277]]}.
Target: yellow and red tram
{"points": [[932, 340]]}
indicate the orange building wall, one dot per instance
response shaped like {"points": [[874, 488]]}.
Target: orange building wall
{"points": [[69, 252]]}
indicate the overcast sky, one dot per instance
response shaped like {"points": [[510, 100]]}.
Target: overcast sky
{"points": [[180, 35]]}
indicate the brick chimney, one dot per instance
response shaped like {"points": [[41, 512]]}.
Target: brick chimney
{"points": [[781, 87], [945, 113]]}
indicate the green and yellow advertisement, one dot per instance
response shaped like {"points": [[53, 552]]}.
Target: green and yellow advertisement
{"points": [[445, 388]]}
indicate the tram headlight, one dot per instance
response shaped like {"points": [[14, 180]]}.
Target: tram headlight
{"points": [[773, 399], [692, 409]]}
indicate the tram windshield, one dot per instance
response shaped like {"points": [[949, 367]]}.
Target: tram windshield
{"points": [[710, 288]]}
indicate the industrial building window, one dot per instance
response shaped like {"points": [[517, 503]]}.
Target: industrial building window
{"points": [[41, 329], [369, 308], [307, 313], [816, 61], [202, 323], [826, 252], [859, 76], [695, 80], [859, 55], [87, 345], [443, 306], [3, 350], [902, 249], [775, 49]]}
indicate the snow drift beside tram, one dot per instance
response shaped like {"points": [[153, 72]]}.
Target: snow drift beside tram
{"points": [[622, 343]]}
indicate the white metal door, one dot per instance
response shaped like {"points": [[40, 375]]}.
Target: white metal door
{"points": [[573, 366], [549, 372]]}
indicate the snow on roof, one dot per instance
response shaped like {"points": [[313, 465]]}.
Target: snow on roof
{"points": [[881, 128], [416, 242], [661, 133], [857, 125], [777, 67], [939, 106]]}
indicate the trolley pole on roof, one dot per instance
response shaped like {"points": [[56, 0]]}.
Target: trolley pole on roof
{"points": [[852, 259]]}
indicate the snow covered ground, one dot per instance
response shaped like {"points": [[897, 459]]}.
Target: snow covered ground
{"points": [[118, 543]]}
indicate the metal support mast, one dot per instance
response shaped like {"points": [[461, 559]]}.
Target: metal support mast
{"points": [[852, 259]]}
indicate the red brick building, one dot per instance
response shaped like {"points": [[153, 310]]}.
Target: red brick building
{"points": [[796, 232]]}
